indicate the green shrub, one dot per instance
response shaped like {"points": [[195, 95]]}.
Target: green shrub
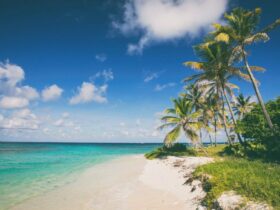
{"points": [[175, 150], [261, 140]]}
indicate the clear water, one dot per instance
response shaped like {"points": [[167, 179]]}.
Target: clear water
{"points": [[30, 169]]}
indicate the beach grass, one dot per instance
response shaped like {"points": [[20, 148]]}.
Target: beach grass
{"points": [[255, 180]]}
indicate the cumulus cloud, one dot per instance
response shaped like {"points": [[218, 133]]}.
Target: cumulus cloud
{"points": [[20, 119], [101, 57], [27, 92], [165, 20], [164, 86], [51, 93], [12, 74], [12, 93], [89, 92], [8, 102]]}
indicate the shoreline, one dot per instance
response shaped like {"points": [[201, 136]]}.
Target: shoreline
{"points": [[125, 183]]}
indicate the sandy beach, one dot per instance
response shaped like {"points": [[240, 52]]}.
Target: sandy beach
{"points": [[126, 183]]}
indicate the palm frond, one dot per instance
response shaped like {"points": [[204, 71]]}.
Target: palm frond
{"points": [[222, 37], [170, 119], [172, 136], [256, 38], [167, 125], [194, 65]]}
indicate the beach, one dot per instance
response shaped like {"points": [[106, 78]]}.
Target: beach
{"points": [[125, 183]]}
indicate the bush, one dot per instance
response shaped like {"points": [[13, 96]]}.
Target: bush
{"points": [[261, 140], [175, 150]]}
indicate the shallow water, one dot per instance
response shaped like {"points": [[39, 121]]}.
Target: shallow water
{"points": [[29, 169]]}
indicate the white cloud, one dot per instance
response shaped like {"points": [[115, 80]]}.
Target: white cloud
{"points": [[27, 92], [13, 94], [106, 74], [24, 113], [51, 93], [101, 57], [21, 119], [164, 86], [254, 99], [89, 92], [151, 76], [59, 122], [65, 121], [11, 74], [164, 20], [8, 102]]}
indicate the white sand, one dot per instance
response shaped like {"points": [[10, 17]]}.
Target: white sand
{"points": [[127, 183]]}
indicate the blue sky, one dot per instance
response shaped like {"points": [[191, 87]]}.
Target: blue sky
{"points": [[105, 70]]}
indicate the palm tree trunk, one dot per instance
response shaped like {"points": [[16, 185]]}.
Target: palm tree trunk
{"points": [[210, 138], [253, 80], [200, 135], [225, 128], [232, 116], [224, 122], [215, 130]]}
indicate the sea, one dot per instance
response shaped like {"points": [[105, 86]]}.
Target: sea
{"points": [[31, 169]]}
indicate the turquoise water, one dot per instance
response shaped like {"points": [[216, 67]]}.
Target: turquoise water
{"points": [[29, 169]]}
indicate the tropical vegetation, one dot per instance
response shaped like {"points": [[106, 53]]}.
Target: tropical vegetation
{"points": [[211, 102]]}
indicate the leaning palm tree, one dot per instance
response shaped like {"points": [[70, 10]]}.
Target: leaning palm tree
{"points": [[242, 105], [241, 29], [182, 118], [216, 70]]}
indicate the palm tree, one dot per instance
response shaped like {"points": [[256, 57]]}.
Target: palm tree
{"points": [[194, 95], [206, 118], [241, 29], [217, 69], [181, 117], [242, 105], [214, 106]]}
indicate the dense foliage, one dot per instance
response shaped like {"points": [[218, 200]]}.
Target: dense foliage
{"points": [[261, 140]]}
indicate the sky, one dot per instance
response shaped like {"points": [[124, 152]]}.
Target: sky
{"points": [[104, 70]]}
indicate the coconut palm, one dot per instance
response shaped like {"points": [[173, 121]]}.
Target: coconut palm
{"points": [[207, 118], [182, 118], [241, 29], [216, 70], [242, 105], [194, 95], [214, 107]]}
